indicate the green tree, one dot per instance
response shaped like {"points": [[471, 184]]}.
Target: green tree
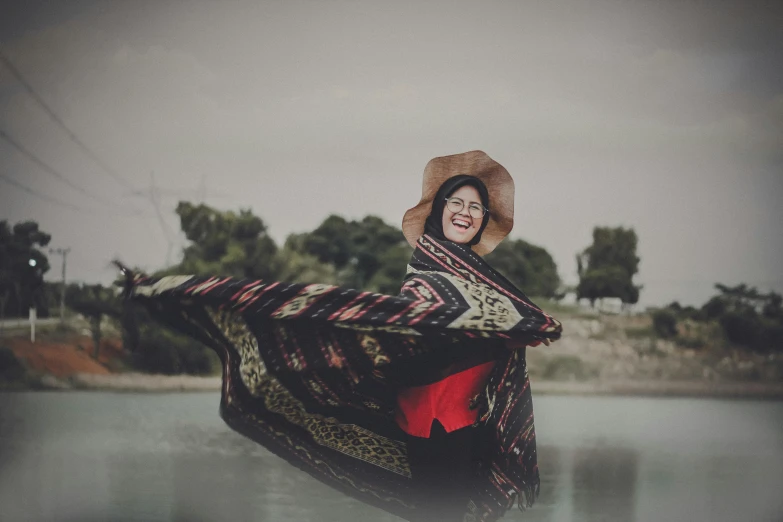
{"points": [[294, 265], [367, 254], [154, 348], [606, 268], [225, 243], [378, 247], [330, 242], [748, 317], [22, 265], [387, 279], [528, 266], [157, 349], [665, 322], [93, 302]]}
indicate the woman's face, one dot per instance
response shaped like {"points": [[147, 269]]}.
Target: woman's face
{"points": [[460, 227]]}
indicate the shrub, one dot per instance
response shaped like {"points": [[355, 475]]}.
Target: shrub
{"points": [[639, 332], [714, 308], [158, 349], [665, 323], [740, 328], [746, 328], [691, 342], [690, 312], [163, 351], [771, 336], [10, 368], [567, 367]]}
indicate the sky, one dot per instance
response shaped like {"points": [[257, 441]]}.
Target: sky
{"points": [[662, 116]]}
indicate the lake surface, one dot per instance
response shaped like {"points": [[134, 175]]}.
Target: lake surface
{"points": [[102, 456]]}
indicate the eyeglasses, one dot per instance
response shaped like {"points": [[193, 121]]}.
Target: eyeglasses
{"points": [[475, 210]]}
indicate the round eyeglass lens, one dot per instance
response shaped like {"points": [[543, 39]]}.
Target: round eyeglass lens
{"points": [[476, 211], [455, 204]]}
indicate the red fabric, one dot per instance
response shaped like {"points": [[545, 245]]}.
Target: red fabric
{"points": [[447, 400]]}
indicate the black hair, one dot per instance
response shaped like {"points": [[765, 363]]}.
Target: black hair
{"points": [[433, 226]]}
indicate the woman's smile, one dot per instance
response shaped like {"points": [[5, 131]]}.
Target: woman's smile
{"points": [[461, 227], [461, 223]]}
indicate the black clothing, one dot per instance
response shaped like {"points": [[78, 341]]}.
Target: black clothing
{"points": [[442, 469]]}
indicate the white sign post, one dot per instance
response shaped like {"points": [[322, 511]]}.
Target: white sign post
{"points": [[33, 317]]}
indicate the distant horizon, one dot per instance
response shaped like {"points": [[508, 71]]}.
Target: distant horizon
{"points": [[667, 291]]}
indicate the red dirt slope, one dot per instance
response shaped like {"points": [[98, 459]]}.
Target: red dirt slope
{"points": [[63, 359]]}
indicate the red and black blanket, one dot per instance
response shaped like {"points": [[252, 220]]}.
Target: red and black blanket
{"points": [[305, 368]]}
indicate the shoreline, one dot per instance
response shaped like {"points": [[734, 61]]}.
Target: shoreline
{"points": [[144, 382], [129, 382], [152, 383], [663, 389]]}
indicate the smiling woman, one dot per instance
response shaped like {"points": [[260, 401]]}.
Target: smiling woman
{"points": [[464, 210], [463, 215], [443, 448], [447, 448], [417, 403]]}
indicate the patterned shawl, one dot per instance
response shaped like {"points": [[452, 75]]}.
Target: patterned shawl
{"points": [[303, 369]]}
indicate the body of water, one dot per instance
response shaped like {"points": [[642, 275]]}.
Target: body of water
{"points": [[102, 456]]}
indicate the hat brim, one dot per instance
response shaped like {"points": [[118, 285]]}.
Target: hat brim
{"points": [[476, 163]]}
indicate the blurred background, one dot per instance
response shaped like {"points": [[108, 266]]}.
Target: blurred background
{"points": [[285, 140]]}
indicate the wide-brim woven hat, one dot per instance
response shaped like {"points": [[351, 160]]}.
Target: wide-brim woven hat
{"points": [[474, 163]]}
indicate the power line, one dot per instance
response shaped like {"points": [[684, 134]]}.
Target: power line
{"points": [[71, 135], [65, 204], [166, 230], [200, 194], [59, 175], [56, 201], [48, 168], [32, 192]]}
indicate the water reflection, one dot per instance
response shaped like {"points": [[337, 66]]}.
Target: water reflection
{"points": [[169, 457], [620, 484], [604, 481]]}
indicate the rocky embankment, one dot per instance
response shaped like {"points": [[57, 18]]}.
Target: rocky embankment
{"points": [[611, 355], [607, 355]]}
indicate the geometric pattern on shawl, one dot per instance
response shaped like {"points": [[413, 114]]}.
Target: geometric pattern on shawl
{"points": [[303, 369]]}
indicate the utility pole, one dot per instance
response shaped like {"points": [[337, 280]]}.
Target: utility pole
{"points": [[153, 194], [64, 253]]}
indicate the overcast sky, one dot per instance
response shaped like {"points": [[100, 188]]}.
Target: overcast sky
{"points": [[663, 116]]}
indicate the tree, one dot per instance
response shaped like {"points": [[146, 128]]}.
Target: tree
{"points": [[367, 254], [606, 268], [93, 302], [773, 307], [225, 243], [157, 349], [665, 322], [330, 242], [528, 266], [22, 265], [294, 265], [387, 278], [378, 247], [748, 317]]}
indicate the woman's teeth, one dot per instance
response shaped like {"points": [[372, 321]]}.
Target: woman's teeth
{"points": [[460, 224]]}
